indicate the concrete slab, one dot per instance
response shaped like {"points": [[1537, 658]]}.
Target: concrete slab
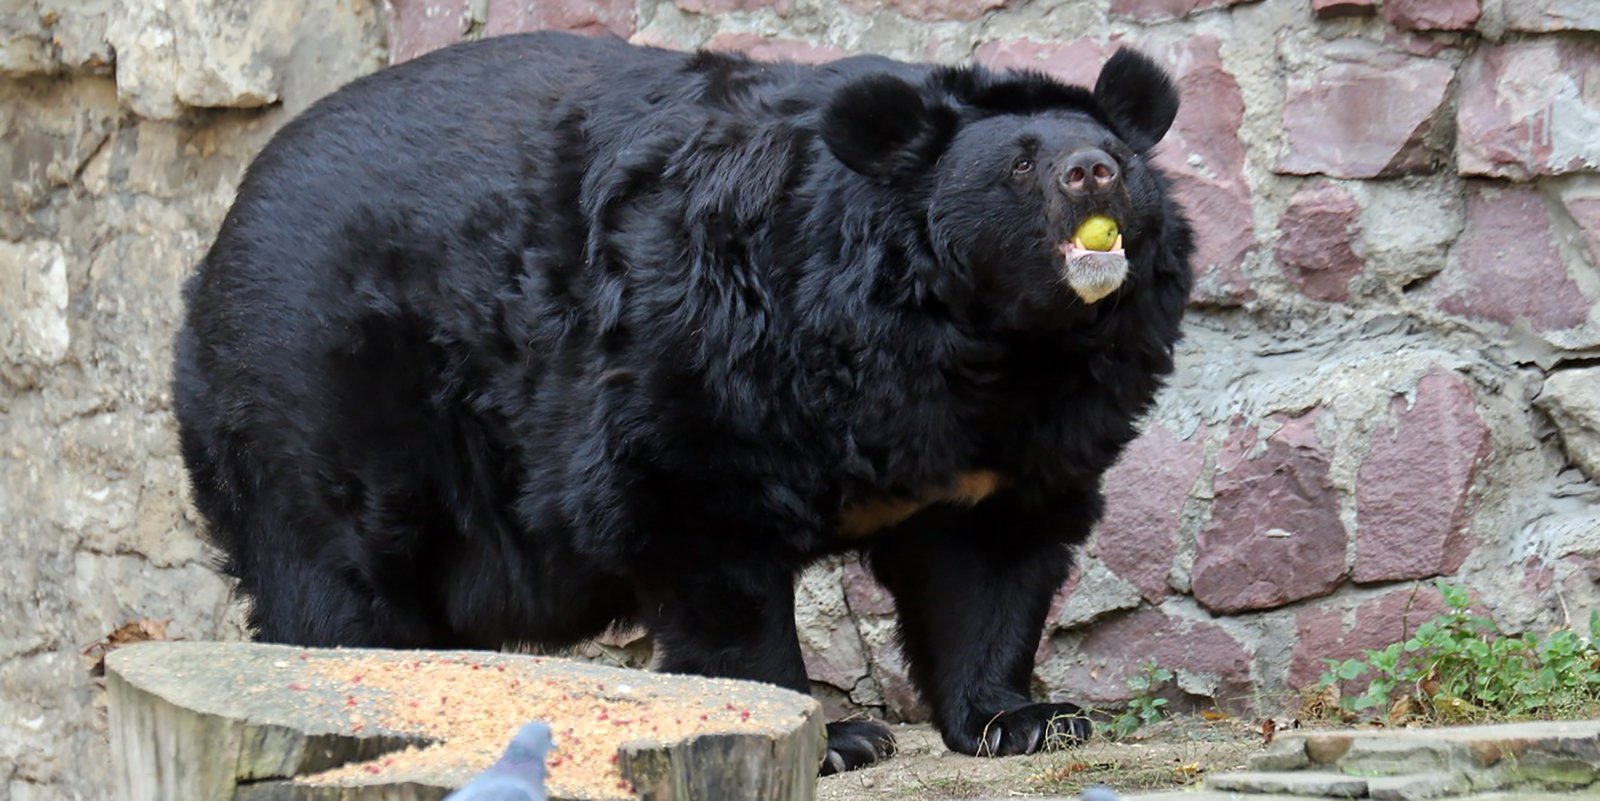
{"points": [[1418, 764], [1416, 787], [1321, 784], [1400, 756], [1206, 794]]}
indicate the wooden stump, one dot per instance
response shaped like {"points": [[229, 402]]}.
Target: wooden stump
{"points": [[251, 722]]}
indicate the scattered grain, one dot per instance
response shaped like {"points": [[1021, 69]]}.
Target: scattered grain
{"points": [[471, 705]]}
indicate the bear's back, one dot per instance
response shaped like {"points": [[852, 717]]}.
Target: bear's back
{"points": [[416, 145], [424, 158]]}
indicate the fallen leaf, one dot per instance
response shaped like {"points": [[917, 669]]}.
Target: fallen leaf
{"points": [[1321, 703], [1403, 711], [1269, 729], [1430, 685], [142, 630]]}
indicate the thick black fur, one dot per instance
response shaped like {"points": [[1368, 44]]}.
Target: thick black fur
{"points": [[536, 335]]}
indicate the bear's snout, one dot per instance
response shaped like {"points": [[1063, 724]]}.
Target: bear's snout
{"points": [[1088, 173]]}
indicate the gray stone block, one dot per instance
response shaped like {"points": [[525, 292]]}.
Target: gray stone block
{"points": [[1287, 753], [1416, 787], [1298, 783], [1398, 756]]}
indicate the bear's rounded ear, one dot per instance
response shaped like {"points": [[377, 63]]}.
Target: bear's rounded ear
{"points": [[881, 127], [1139, 98]]}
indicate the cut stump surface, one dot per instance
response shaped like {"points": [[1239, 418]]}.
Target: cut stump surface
{"points": [[252, 722]]}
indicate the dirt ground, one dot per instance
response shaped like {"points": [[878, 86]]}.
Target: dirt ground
{"points": [[1177, 752]]}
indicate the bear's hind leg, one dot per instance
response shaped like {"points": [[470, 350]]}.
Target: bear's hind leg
{"points": [[972, 588]]}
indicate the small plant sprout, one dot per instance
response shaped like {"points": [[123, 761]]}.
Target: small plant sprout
{"points": [[1144, 708]]}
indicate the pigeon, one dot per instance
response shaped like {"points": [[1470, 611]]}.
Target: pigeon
{"points": [[1098, 792], [520, 773]]}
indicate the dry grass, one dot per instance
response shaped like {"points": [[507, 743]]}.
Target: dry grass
{"points": [[1175, 753]]}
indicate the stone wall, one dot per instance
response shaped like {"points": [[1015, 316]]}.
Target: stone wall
{"points": [[1392, 371], [125, 126]]}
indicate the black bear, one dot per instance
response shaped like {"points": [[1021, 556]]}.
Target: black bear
{"points": [[536, 335]]}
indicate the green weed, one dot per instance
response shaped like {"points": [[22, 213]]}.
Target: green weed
{"points": [[1460, 667], [1145, 708]]}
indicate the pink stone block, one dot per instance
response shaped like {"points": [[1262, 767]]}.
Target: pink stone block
{"points": [[1316, 239], [1505, 268], [1275, 536], [1433, 15], [419, 26], [595, 17], [863, 592], [1412, 489], [1529, 109], [1156, 10], [1119, 648], [1145, 493], [1369, 112], [1075, 61], [766, 48]]}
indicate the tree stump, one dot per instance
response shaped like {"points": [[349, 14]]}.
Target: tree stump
{"points": [[250, 722]]}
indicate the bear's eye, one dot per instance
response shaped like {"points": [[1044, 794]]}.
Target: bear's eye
{"points": [[1022, 166]]}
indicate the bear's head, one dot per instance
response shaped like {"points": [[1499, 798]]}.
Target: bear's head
{"points": [[1006, 167]]}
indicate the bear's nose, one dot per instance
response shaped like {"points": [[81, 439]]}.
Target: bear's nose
{"points": [[1089, 172]]}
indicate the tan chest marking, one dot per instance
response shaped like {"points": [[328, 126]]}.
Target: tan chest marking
{"points": [[875, 514]]}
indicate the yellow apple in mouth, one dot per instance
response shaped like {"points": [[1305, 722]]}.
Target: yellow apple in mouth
{"points": [[1096, 263], [1098, 232]]}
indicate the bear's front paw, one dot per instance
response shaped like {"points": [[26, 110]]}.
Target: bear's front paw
{"points": [[1027, 729], [855, 744]]}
